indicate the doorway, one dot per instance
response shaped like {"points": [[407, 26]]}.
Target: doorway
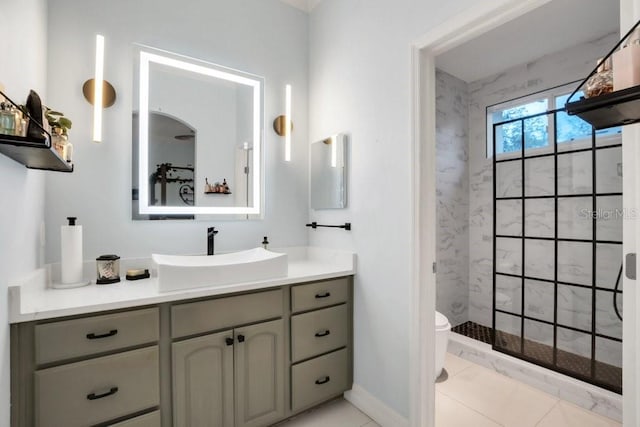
{"points": [[442, 39]]}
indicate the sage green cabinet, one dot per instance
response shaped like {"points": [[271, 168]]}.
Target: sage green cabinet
{"points": [[259, 374], [203, 381], [241, 368], [249, 359]]}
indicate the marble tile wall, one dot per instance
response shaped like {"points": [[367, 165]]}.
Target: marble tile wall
{"points": [[574, 177], [452, 280]]}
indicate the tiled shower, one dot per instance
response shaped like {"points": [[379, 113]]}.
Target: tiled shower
{"points": [[556, 271], [556, 311]]}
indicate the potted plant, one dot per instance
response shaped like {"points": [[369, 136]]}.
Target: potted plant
{"points": [[60, 124]]}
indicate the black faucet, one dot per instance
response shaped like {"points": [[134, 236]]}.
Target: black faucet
{"points": [[211, 232]]}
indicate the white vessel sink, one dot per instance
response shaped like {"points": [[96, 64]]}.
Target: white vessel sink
{"points": [[177, 272]]}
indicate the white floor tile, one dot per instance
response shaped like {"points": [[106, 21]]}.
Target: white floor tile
{"points": [[454, 364], [565, 414], [502, 399], [337, 413], [450, 413]]}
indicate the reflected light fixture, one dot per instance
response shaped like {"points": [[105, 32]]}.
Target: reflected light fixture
{"points": [[334, 150], [99, 92], [284, 126]]}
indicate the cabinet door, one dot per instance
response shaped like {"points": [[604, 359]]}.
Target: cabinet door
{"points": [[259, 366], [203, 381]]}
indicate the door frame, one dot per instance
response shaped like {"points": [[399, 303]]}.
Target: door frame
{"points": [[453, 32]]}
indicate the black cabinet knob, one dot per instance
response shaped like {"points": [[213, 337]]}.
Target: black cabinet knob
{"points": [[323, 333], [240, 338], [325, 295], [229, 341]]}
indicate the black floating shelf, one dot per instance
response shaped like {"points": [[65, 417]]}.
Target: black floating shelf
{"points": [[33, 153], [617, 108]]}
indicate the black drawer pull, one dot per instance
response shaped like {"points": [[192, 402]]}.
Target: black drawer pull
{"points": [[240, 338], [325, 295], [324, 380], [323, 334], [229, 341], [93, 336], [93, 396]]}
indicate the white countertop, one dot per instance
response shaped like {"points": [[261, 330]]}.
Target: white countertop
{"points": [[32, 297]]}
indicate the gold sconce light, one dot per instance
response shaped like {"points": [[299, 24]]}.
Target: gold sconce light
{"points": [[99, 92], [283, 125]]}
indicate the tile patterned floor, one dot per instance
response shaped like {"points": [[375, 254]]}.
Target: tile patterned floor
{"points": [[472, 396], [337, 413], [475, 396]]}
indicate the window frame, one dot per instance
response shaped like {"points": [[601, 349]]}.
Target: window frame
{"points": [[550, 96]]}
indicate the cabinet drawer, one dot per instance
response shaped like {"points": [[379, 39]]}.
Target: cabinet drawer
{"points": [[318, 332], [147, 420], [222, 313], [97, 390], [91, 335], [319, 379], [320, 294]]}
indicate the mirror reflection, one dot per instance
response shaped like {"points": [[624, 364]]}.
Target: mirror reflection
{"points": [[197, 136], [329, 173]]}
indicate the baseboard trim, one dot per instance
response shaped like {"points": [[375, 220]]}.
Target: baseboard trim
{"points": [[374, 408]]}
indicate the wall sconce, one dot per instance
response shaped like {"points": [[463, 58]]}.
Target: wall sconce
{"points": [[284, 126], [99, 92]]}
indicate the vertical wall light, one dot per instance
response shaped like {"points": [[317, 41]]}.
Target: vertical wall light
{"points": [[283, 124], [287, 135], [97, 87], [98, 91]]}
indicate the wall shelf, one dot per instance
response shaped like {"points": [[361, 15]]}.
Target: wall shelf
{"points": [[617, 108], [33, 153]]}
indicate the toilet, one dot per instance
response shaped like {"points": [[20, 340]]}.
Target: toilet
{"points": [[443, 328]]}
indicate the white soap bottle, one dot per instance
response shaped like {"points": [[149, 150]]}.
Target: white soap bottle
{"points": [[71, 253]]}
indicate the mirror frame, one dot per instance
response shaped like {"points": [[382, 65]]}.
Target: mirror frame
{"points": [[146, 57]]}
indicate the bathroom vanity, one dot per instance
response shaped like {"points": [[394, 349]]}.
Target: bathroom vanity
{"points": [[249, 355]]}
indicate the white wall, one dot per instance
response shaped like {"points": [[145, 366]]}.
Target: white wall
{"points": [[22, 190], [452, 189], [264, 37], [360, 65]]}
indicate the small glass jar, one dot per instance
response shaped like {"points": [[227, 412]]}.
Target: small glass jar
{"points": [[602, 82], [7, 119], [108, 269]]}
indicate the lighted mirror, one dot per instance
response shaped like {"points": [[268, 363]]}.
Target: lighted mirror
{"points": [[197, 138], [329, 173]]}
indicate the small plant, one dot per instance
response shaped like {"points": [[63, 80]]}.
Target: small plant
{"points": [[58, 122]]}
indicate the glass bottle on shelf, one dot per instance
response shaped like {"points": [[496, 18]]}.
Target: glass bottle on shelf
{"points": [[7, 119]]}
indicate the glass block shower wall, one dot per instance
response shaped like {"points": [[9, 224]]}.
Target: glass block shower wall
{"points": [[558, 247]]}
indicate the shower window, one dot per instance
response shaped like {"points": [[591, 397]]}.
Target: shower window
{"points": [[572, 131]]}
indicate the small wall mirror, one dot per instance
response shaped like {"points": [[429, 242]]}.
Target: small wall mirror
{"points": [[329, 173], [197, 137]]}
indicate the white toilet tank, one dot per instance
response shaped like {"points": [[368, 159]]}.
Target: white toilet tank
{"points": [[443, 328]]}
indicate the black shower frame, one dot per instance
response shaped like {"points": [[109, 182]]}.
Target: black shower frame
{"points": [[594, 242]]}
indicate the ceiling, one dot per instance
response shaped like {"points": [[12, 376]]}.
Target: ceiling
{"points": [[555, 26], [306, 5]]}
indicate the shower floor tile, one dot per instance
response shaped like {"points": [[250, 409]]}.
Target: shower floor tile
{"points": [[572, 364]]}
